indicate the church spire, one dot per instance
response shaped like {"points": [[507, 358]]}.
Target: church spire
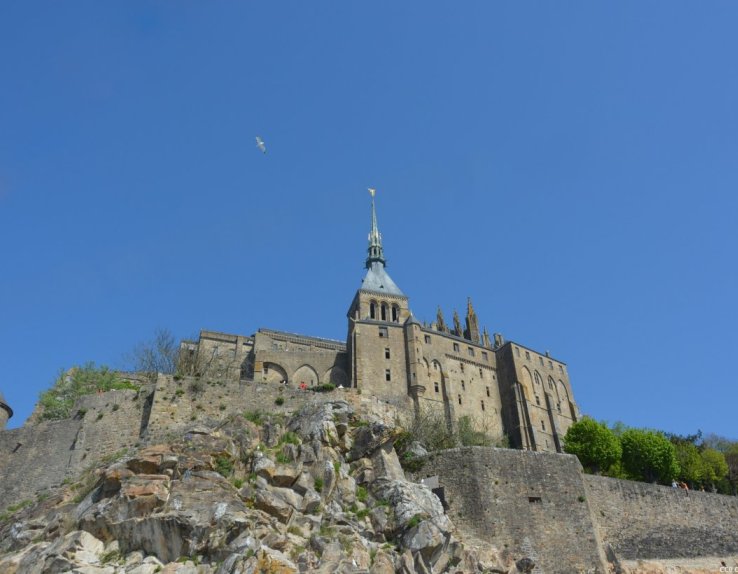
{"points": [[376, 253]]}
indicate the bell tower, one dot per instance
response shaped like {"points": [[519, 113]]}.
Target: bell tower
{"points": [[377, 315]]}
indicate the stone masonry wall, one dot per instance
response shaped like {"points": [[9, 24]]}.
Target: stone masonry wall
{"points": [[37, 457], [529, 503], [642, 521]]}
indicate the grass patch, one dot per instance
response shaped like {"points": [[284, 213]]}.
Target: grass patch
{"points": [[289, 438], [224, 465], [318, 485], [361, 493], [256, 417]]}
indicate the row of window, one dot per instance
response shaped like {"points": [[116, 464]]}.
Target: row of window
{"points": [[540, 360], [436, 387], [384, 312], [457, 349], [538, 402]]}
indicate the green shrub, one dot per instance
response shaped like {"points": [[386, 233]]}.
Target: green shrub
{"points": [[57, 402], [289, 438], [238, 482], [318, 485], [361, 493], [414, 521], [256, 417], [324, 388], [224, 465], [279, 401]]}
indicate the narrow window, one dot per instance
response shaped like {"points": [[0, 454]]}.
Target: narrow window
{"points": [[517, 351], [463, 386], [527, 356], [561, 369], [459, 399], [387, 375], [384, 311], [482, 405], [386, 353], [383, 332], [471, 352], [484, 356], [373, 310], [461, 366], [487, 391], [435, 387], [550, 365], [558, 407], [456, 347], [543, 425], [538, 401], [395, 314], [427, 338], [481, 374], [540, 359]]}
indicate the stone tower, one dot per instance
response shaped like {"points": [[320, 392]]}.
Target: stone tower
{"points": [[5, 412], [377, 315]]}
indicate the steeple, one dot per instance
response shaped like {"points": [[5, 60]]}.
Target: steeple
{"points": [[376, 253], [376, 278]]}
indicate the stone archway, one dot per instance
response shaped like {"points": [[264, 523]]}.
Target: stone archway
{"points": [[274, 373], [306, 374], [336, 376]]}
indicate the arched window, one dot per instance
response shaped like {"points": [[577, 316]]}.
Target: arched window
{"points": [[384, 311], [373, 310], [395, 314]]}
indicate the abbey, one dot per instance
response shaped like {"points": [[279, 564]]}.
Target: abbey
{"points": [[504, 388]]}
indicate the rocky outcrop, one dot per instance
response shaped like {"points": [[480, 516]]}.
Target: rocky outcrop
{"points": [[317, 492]]}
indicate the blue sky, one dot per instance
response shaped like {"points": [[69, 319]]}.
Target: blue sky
{"points": [[570, 166]]}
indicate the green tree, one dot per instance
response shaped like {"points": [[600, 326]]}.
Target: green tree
{"points": [[690, 462], [648, 456], [714, 466], [595, 445]]}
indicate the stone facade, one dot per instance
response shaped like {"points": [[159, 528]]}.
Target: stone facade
{"points": [[505, 389]]}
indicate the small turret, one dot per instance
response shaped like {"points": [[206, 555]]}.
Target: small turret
{"points": [[5, 412], [472, 324]]}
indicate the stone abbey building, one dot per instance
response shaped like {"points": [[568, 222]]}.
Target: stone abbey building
{"points": [[503, 387]]}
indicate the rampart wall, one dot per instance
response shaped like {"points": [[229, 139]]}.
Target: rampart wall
{"points": [[532, 504], [642, 521], [37, 457]]}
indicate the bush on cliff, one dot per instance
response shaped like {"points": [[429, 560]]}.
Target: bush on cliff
{"points": [[58, 401]]}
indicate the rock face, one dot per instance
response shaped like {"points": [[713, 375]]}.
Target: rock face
{"points": [[317, 492]]}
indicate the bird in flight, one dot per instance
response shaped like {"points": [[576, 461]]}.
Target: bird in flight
{"points": [[260, 144]]}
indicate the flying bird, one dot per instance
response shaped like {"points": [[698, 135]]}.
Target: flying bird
{"points": [[260, 144]]}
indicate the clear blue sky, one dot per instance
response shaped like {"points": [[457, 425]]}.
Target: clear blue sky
{"points": [[572, 167]]}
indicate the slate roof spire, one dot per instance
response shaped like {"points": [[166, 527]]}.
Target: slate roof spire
{"points": [[376, 278], [376, 253]]}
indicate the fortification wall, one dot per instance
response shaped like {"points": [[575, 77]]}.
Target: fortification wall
{"points": [[529, 503], [642, 521], [34, 459], [187, 401], [40, 456]]}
